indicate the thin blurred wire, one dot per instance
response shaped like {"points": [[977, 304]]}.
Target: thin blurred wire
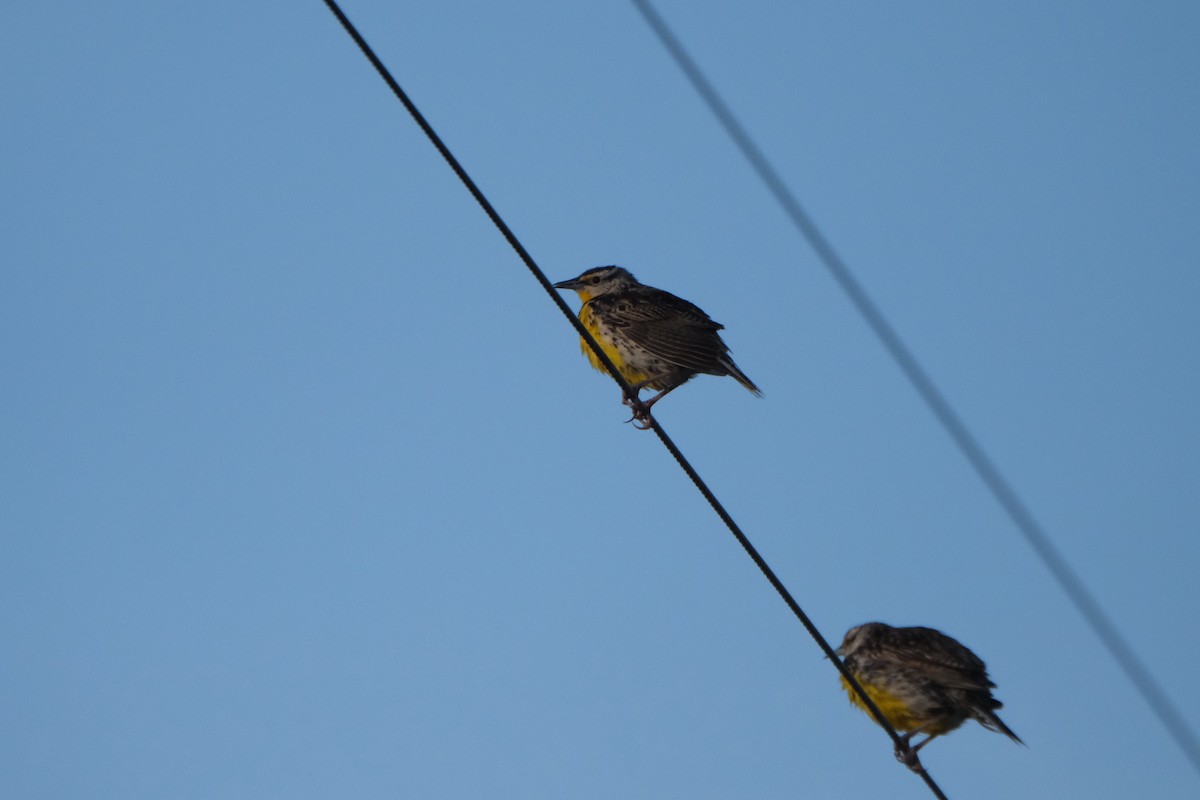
{"points": [[1102, 625], [625, 387]]}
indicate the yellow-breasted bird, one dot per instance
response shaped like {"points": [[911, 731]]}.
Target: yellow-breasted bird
{"points": [[922, 680], [656, 340]]}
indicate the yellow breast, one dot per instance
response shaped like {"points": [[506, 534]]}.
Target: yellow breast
{"points": [[898, 712], [605, 341]]}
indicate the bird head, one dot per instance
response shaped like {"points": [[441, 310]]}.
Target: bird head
{"points": [[859, 635], [599, 281]]}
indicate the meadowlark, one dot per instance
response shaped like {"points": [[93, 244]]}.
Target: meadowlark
{"points": [[922, 680], [656, 340]]}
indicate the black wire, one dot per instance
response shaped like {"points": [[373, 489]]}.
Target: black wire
{"points": [[662, 434], [1102, 625], [793, 605], [475, 192]]}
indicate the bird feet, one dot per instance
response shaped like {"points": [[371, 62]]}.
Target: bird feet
{"points": [[641, 418], [907, 756]]}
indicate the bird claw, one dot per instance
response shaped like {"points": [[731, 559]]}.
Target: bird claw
{"points": [[642, 423], [907, 756], [641, 418]]}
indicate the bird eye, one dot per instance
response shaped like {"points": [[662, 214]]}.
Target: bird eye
{"points": [[594, 279]]}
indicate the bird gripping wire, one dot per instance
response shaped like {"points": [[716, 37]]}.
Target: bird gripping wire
{"points": [[625, 386]]}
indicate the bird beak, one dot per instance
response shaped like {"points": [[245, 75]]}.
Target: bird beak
{"points": [[571, 284]]}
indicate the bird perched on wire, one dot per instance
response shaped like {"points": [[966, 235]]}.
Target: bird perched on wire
{"points": [[656, 340], [922, 681]]}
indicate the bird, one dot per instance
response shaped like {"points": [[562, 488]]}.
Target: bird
{"points": [[655, 340], [922, 681]]}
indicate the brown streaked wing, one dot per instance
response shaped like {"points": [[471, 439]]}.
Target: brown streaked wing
{"points": [[942, 658], [668, 327]]}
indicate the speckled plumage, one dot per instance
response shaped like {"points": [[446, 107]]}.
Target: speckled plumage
{"points": [[922, 680], [655, 339]]}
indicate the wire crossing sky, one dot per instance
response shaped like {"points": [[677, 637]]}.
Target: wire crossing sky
{"points": [[305, 495], [1101, 623]]}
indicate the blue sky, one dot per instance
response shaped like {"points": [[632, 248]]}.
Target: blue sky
{"points": [[308, 492]]}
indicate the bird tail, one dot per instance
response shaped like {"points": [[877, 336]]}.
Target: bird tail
{"points": [[739, 376], [992, 722]]}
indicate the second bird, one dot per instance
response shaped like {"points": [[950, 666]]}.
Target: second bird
{"points": [[655, 340], [922, 681]]}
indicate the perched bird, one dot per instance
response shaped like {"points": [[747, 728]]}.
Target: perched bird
{"points": [[921, 680], [655, 339]]}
